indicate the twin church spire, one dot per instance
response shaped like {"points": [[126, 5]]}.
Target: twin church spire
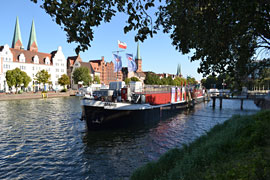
{"points": [[17, 39]]}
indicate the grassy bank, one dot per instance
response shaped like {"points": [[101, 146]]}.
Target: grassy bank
{"points": [[237, 149]]}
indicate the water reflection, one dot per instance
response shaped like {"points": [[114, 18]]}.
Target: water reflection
{"points": [[44, 139]]}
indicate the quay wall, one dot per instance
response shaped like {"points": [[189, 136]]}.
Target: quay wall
{"points": [[38, 95]]}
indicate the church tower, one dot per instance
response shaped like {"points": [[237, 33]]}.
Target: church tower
{"points": [[17, 39], [32, 44], [138, 59], [178, 73]]}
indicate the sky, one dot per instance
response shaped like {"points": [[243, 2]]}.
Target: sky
{"points": [[157, 53]]}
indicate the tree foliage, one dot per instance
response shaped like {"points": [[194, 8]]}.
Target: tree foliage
{"points": [[134, 79], [64, 80], [79, 17], [82, 74], [179, 81], [96, 79], [26, 79], [191, 80], [154, 79], [17, 78], [224, 35], [219, 82], [43, 77], [127, 81]]}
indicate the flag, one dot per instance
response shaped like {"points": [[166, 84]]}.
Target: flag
{"points": [[117, 63], [131, 63], [122, 45]]}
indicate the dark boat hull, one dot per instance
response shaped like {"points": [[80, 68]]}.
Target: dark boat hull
{"points": [[98, 117]]}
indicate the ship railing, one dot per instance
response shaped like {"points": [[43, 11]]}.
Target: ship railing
{"points": [[153, 89], [157, 89]]}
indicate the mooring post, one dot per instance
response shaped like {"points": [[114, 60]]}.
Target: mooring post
{"points": [[220, 102], [214, 102], [242, 101]]}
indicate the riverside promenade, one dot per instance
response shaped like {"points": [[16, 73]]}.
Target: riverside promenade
{"points": [[37, 95]]}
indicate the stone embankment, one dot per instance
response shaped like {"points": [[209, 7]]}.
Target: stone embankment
{"points": [[38, 95]]}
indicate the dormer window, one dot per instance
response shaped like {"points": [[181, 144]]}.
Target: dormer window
{"points": [[21, 58], [47, 61], [36, 59]]}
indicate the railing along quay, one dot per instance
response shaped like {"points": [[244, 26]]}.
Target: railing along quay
{"points": [[241, 98]]}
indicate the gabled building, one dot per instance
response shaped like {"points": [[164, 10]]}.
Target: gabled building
{"points": [[74, 62], [30, 60], [105, 71]]}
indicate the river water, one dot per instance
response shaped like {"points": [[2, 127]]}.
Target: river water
{"points": [[45, 139]]}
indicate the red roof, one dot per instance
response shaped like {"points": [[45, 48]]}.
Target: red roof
{"points": [[29, 55], [72, 59]]}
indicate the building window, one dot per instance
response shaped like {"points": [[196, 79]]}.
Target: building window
{"points": [[6, 66], [33, 68], [22, 68], [62, 70], [57, 70], [47, 61], [21, 58], [36, 59]]}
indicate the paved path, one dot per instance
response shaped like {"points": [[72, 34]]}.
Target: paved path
{"points": [[31, 95]]}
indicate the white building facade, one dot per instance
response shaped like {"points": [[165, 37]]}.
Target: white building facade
{"points": [[31, 61]]}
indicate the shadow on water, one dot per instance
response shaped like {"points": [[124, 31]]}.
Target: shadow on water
{"points": [[113, 153]]}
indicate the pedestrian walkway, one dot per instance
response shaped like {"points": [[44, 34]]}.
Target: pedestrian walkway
{"points": [[38, 95]]}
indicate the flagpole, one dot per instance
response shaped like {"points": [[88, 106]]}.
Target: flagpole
{"points": [[117, 62], [117, 71]]}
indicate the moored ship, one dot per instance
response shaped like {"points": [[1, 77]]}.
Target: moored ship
{"points": [[124, 104]]}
